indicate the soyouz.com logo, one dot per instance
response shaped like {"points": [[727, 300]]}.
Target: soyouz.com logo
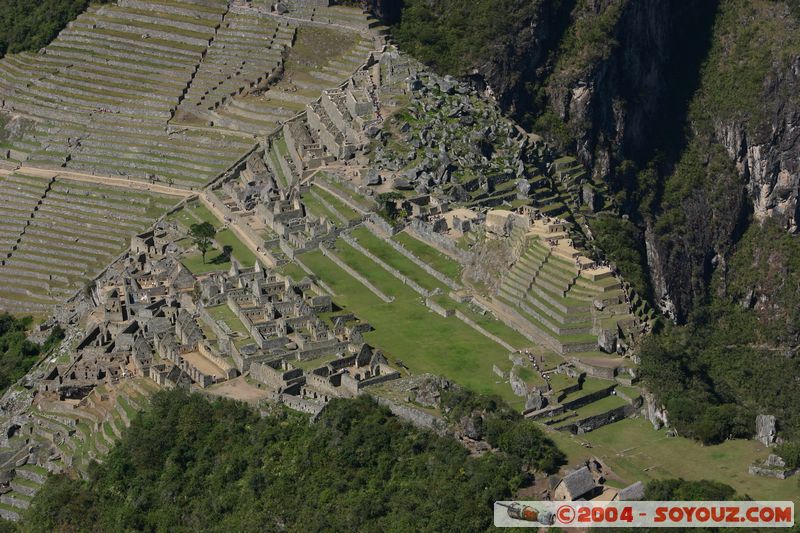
{"points": [[644, 514]]}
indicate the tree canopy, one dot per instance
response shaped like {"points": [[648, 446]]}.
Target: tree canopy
{"points": [[202, 236], [219, 466], [17, 353], [32, 24]]}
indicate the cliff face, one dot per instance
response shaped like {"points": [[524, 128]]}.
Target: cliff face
{"points": [[740, 162], [767, 155], [387, 10]]}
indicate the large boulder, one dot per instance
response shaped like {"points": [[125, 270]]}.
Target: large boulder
{"points": [[607, 341], [535, 401], [590, 197], [471, 427], [428, 394], [765, 429]]}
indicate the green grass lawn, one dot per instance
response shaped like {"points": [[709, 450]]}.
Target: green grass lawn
{"points": [[602, 405], [630, 446], [589, 386], [530, 376], [561, 381], [491, 324], [195, 213], [350, 194], [405, 329], [430, 255], [345, 210], [310, 364], [293, 270], [203, 214], [215, 262], [317, 209]]}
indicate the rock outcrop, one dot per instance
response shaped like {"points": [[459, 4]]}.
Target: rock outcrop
{"points": [[765, 429]]}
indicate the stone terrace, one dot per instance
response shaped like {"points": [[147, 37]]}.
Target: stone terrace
{"points": [[57, 233], [561, 298], [63, 435], [341, 16], [246, 51], [104, 90], [308, 70]]}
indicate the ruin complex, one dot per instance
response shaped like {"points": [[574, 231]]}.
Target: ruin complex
{"points": [[346, 184]]}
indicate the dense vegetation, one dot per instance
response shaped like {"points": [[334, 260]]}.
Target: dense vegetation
{"points": [[619, 240], [726, 365], [198, 465], [456, 35], [682, 490], [502, 427], [32, 24], [17, 353]]}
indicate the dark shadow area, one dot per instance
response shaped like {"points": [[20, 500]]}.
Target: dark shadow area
{"points": [[666, 137]]}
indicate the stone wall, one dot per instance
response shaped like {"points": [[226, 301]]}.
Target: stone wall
{"points": [[319, 351], [589, 398], [423, 265], [593, 422], [438, 309], [304, 405], [416, 417], [474, 325], [591, 370], [376, 224], [425, 232]]}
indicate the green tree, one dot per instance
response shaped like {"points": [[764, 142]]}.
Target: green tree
{"points": [[32, 24], [202, 235], [17, 353], [680, 489], [387, 203]]}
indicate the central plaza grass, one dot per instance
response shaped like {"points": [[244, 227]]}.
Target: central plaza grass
{"points": [[215, 261], [630, 446], [407, 330], [240, 252]]}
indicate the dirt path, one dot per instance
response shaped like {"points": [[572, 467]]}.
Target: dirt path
{"points": [[125, 183]]}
